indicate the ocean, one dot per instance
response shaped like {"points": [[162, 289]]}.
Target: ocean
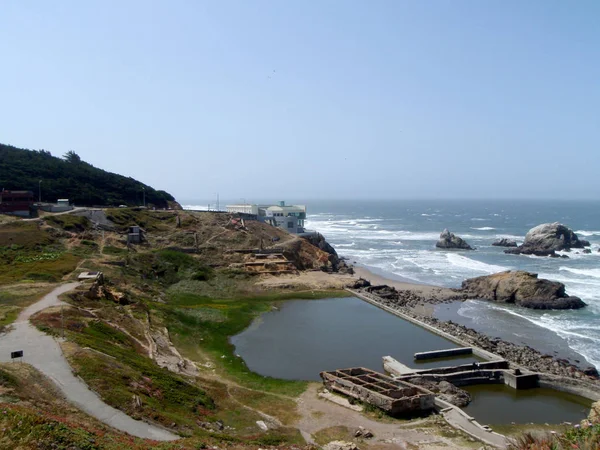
{"points": [[397, 239]]}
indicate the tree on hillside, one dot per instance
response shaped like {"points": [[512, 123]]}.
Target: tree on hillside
{"points": [[72, 157], [71, 177]]}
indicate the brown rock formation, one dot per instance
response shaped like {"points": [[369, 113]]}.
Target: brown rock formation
{"points": [[523, 289]]}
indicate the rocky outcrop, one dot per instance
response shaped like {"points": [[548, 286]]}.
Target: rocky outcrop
{"points": [[337, 264], [548, 238], [361, 283], [504, 242], [451, 241], [445, 390], [523, 289]]}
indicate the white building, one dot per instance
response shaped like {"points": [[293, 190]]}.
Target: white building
{"points": [[246, 209], [288, 217]]}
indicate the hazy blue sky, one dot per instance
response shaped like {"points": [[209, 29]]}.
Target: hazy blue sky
{"points": [[306, 99]]}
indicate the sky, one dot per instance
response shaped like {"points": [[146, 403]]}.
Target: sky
{"points": [[312, 99]]}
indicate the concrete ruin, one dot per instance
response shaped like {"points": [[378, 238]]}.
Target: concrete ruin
{"points": [[392, 396], [485, 372]]}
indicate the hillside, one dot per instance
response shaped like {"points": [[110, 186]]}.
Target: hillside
{"points": [[72, 178], [153, 339]]}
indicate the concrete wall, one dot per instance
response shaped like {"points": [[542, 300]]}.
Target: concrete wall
{"points": [[476, 350], [583, 388], [523, 381], [444, 353]]}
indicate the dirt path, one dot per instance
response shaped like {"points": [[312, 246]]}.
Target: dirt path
{"points": [[43, 352]]}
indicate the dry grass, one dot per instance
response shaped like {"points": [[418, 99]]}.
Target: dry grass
{"points": [[15, 297], [282, 408], [337, 433]]}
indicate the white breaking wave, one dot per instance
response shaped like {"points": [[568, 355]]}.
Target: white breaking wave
{"points": [[483, 228], [352, 244], [195, 207], [474, 265], [587, 233], [595, 273], [479, 219], [572, 331]]}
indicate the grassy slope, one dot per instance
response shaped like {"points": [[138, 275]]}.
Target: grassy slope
{"points": [[32, 415], [201, 307]]}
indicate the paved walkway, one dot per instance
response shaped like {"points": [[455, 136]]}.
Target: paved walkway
{"points": [[43, 352], [461, 420]]}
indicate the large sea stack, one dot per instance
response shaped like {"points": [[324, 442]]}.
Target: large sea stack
{"points": [[548, 238], [523, 289], [451, 241]]}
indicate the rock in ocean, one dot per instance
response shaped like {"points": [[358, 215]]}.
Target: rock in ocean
{"points": [[450, 240], [548, 238], [505, 242], [523, 289]]}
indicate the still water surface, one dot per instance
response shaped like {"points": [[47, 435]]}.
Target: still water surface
{"points": [[501, 405], [305, 337]]}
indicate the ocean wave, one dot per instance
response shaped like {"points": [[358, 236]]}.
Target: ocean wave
{"points": [[195, 207], [595, 273], [479, 219], [587, 233], [578, 336], [352, 244], [483, 228], [472, 264]]}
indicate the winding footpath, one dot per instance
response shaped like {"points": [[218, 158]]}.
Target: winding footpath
{"points": [[43, 352]]}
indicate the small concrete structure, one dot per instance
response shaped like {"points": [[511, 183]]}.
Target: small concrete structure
{"points": [[85, 276], [488, 372], [449, 352], [393, 396], [135, 235]]}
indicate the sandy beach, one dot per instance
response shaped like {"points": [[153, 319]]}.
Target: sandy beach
{"points": [[322, 280], [423, 290]]}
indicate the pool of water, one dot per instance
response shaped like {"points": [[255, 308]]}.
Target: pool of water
{"points": [[306, 337], [501, 405]]}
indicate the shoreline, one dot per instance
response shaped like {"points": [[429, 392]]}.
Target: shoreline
{"points": [[418, 301]]}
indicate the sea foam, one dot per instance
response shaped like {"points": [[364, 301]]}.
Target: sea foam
{"points": [[472, 264]]}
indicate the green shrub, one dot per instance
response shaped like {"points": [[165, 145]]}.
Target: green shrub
{"points": [[70, 222], [204, 273]]}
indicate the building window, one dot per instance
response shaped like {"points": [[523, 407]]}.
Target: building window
{"points": [[290, 224]]}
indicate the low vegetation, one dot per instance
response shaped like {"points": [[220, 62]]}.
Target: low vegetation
{"points": [[201, 327], [582, 437], [32, 415], [30, 252], [13, 298], [175, 289], [118, 369], [69, 222]]}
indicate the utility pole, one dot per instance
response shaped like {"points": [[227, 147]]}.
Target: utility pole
{"points": [[144, 195], [218, 209], [40, 191]]}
